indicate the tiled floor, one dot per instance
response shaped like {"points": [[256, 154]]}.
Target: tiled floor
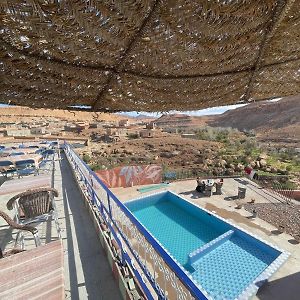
{"points": [[87, 271]]}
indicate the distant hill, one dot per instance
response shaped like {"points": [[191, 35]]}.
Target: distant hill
{"points": [[19, 113], [182, 120], [140, 117], [144, 117], [270, 120]]}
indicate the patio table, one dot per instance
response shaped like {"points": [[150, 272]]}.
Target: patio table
{"points": [[33, 274], [26, 183]]}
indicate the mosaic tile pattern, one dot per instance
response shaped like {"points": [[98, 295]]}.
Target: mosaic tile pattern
{"points": [[179, 232], [228, 269]]}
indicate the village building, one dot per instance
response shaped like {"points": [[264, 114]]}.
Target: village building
{"points": [[18, 132], [124, 123], [38, 130]]}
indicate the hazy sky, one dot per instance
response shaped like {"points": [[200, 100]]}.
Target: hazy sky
{"points": [[207, 111], [203, 112]]}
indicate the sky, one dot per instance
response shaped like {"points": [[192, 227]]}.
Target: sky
{"points": [[203, 112]]}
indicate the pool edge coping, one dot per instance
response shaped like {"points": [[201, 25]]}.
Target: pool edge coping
{"points": [[250, 289]]}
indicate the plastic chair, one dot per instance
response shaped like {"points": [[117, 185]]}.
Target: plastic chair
{"points": [[208, 190], [7, 167], [26, 167], [47, 163], [17, 153]]}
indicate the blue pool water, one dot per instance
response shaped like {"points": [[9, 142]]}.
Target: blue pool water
{"points": [[228, 267], [178, 232]]}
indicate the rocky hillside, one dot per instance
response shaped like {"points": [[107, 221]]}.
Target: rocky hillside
{"points": [[275, 121]]}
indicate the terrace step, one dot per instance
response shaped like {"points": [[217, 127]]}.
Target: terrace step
{"points": [[200, 252]]}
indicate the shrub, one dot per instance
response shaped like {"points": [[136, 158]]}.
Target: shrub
{"points": [[133, 136], [288, 185], [86, 158], [288, 168]]}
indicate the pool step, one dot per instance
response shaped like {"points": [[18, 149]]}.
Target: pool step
{"points": [[152, 187], [200, 252]]}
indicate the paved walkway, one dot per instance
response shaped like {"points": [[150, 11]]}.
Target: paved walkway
{"points": [[87, 271]]}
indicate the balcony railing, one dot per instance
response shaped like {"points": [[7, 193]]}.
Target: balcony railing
{"points": [[168, 279]]}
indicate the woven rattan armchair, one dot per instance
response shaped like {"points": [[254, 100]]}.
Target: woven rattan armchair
{"points": [[35, 206], [21, 227]]}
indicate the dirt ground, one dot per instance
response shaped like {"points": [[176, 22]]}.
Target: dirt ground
{"points": [[171, 151]]}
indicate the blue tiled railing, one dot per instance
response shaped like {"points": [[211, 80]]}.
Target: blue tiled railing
{"points": [[168, 279]]}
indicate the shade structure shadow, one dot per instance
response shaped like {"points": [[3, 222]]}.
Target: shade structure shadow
{"points": [[293, 241], [230, 198], [241, 181], [5, 236], [287, 287], [193, 194], [276, 232]]}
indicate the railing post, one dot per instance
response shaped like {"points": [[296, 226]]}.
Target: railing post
{"points": [[109, 206], [92, 188]]}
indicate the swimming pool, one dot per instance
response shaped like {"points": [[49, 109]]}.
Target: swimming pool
{"points": [[223, 260]]}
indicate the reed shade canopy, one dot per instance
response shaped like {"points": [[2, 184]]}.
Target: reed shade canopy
{"points": [[148, 55]]}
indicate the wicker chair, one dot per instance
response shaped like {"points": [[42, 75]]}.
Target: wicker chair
{"points": [[47, 164], [35, 206], [20, 227]]}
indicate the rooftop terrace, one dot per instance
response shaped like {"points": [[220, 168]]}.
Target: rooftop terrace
{"points": [[284, 283], [88, 273]]}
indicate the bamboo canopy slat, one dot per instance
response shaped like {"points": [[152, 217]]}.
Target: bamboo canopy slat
{"points": [[148, 55]]}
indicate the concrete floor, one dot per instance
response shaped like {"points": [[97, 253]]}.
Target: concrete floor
{"points": [[87, 271], [285, 283]]}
